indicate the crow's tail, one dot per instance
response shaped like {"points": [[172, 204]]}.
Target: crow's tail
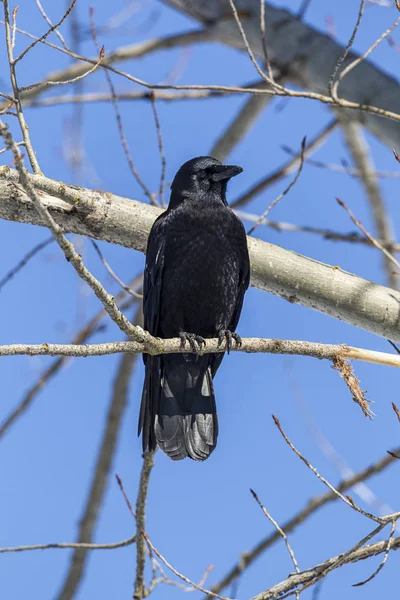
{"points": [[178, 409]]}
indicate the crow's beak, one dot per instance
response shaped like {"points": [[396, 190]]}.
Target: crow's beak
{"points": [[224, 172]]}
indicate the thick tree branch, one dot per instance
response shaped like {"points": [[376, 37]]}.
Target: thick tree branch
{"points": [[306, 56], [290, 275]]}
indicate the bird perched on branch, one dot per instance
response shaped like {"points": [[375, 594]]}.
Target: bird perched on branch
{"points": [[197, 271]]}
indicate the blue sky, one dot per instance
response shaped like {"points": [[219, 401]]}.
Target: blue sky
{"points": [[198, 514]]}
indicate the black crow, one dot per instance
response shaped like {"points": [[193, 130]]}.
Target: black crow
{"points": [[197, 271]]}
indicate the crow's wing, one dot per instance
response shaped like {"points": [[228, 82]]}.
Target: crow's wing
{"points": [[244, 281], [152, 284], [153, 271]]}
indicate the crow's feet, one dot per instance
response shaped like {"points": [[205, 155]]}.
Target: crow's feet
{"points": [[227, 335], [195, 341]]}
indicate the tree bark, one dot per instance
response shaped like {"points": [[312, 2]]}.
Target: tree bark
{"points": [[126, 222]]}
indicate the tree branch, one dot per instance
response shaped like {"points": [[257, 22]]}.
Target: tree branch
{"points": [[313, 505], [292, 582], [174, 346], [363, 160], [305, 55], [292, 276]]}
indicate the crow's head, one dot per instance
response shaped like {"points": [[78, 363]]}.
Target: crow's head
{"points": [[202, 177]]}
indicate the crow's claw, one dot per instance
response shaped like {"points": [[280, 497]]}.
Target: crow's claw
{"points": [[195, 341], [227, 335]]}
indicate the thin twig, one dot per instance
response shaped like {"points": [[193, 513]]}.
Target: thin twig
{"points": [[346, 499], [286, 168], [321, 571], [286, 588], [204, 35], [123, 285], [76, 545], [180, 575], [332, 84], [283, 194], [48, 21], [368, 235], [21, 264], [16, 91], [14, 26], [312, 506], [160, 148], [375, 573], [328, 234], [120, 125], [48, 32], [50, 83], [279, 530], [267, 78], [363, 57], [264, 41], [396, 410]]}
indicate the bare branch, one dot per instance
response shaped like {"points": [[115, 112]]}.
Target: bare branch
{"points": [[120, 125], [77, 546], [160, 148], [274, 269], [279, 530], [283, 194], [346, 499], [48, 83], [125, 287], [48, 32], [17, 96], [332, 84], [286, 168], [331, 352], [148, 463], [48, 21], [21, 264], [313, 574], [363, 57], [375, 573], [368, 235], [180, 575], [309, 509]]}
